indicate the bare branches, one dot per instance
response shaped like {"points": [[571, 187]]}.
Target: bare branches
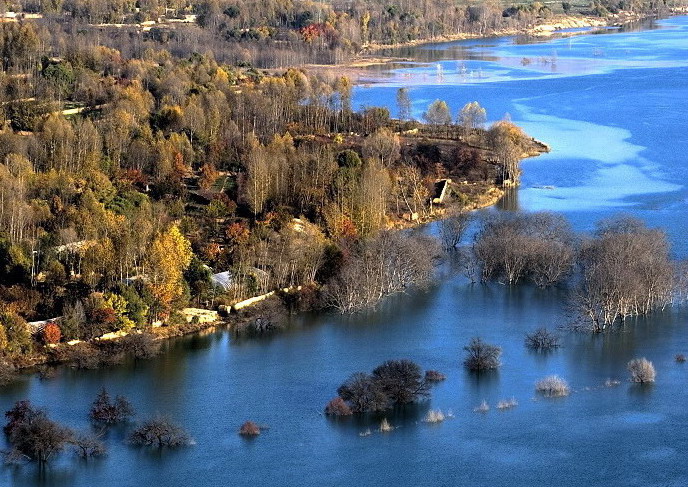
{"points": [[453, 228], [160, 432], [626, 271], [537, 246], [385, 265], [481, 356]]}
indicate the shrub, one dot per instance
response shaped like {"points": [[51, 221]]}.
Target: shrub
{"points": [[680, 358], [483, 408], [87, 446], [83, 356], [434, 376], [105, 411], [400, 380], [552, 386], [337, 407], [160, 431], [641, 370], [141, 345], [385, 426], [507, 403], [482, 356], [434, 416], [363, 393], [249, 428], [51, 333], [541, 340], [7, 373]]}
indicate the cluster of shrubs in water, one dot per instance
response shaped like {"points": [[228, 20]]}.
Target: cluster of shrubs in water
{"points": [[395, 382], [33, 436], [399, 382]]}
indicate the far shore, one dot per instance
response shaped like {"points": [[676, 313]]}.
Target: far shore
{"points": [[558, 25]]}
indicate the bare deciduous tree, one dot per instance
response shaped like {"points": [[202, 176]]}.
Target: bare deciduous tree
{"points": [[481, 356], [626, 271], [159, 432], [453, 228], [387, 264]]}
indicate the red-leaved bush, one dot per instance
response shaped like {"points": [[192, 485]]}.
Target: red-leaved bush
{"points": [[337, 407], [51, 333]]}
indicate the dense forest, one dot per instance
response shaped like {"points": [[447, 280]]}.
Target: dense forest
{"points": [[126, 183]]}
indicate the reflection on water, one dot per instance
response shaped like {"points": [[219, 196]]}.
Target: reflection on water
{"points": [[509, 202]]}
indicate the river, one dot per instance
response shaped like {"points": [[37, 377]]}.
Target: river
{"points": [[612, 106]]}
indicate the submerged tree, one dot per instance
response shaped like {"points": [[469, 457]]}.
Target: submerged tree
{"points": [[481, 356], [395, 382], [108, 412], [453, 228], [626, 271], [160, 432], [535, 246], [363, 393], [387, 264], [32, 435], [401, 381]]}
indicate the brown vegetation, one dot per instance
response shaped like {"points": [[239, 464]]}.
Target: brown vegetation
{"points": [[536, 246], [390, 263], [626, 272], [249, 428], [542, 340], [160, 432], [105, 411], [481, 356], [337, 407], [395, 382]]}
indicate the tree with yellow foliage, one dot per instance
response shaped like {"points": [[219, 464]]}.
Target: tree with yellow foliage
{"points": [[169, 256]]}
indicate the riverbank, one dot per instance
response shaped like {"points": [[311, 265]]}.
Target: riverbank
{"points": [[557, 25]]}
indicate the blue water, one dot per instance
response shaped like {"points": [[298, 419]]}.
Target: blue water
{"points": [[612, 106], [612, 110]]}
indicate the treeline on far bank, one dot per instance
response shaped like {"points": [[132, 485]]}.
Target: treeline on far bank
{"points": [[273, 33]]}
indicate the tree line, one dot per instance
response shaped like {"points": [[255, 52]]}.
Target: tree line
{"points": [[126, 183], [277, 33], [623, 270]]}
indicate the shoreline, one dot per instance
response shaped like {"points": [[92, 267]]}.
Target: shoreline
{"points": [[557, 25], [491, 195]]}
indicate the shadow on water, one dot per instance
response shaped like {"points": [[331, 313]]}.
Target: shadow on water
{"points": [[483, 381], [398, 416], [46, 475]]}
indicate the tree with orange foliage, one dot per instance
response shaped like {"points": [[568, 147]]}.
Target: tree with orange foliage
{"points": [[208, 176], [51, 333]]}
